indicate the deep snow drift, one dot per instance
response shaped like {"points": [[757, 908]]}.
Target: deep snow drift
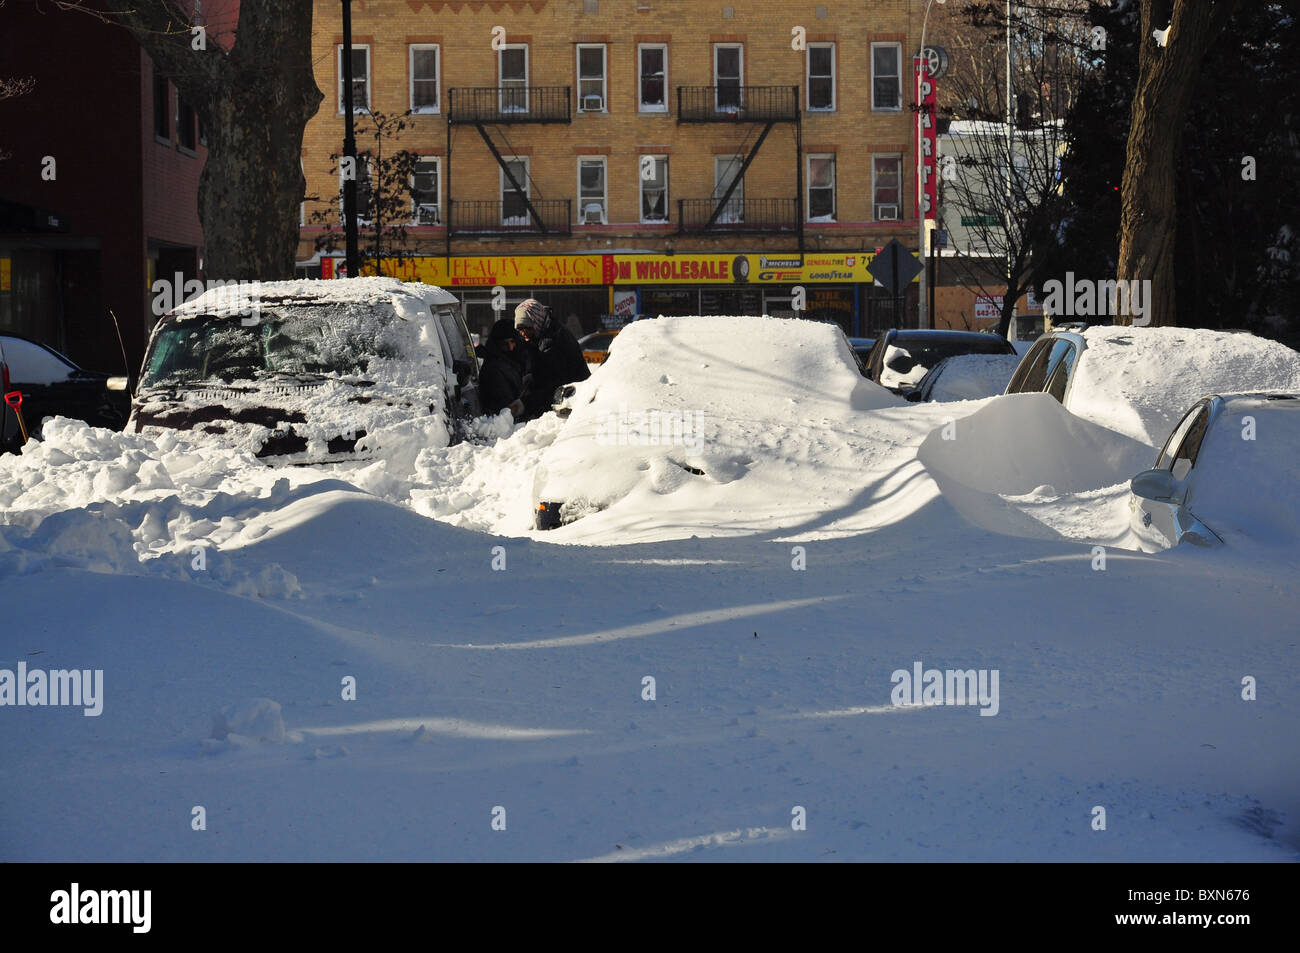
{"points": [[332, 674]]}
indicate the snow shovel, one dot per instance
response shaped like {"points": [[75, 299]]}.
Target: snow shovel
{"points": [[15, 400]]}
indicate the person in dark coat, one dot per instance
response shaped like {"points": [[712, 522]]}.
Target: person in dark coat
{"points": [[501, 378], [556, 355]]}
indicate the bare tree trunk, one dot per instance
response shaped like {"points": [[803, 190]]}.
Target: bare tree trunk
{"points": [[1166, 79]]}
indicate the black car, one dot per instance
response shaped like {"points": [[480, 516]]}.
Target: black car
{"points": [[900, 358], [51, 385]]}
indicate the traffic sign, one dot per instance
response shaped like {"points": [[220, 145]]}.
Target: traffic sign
{"points": [[894, 267]]}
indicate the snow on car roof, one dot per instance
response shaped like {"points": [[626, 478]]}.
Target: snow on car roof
{"points": [[1140, 381], [242, 296]]}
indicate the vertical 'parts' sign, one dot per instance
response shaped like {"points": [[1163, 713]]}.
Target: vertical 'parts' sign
{"points": [[927, 137]]}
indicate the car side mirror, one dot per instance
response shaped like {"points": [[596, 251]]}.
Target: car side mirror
{"points": [[900, 363], [1154, 485]]}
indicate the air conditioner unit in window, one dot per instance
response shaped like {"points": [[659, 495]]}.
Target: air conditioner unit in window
{"points": [[593, 214], [429, 215], [593, 102], [886, 213]]}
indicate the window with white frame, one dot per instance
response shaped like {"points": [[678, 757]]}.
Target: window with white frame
{"points": [[591, 77], [513, 209], [821, 76], [886, 187], [360, 77], [821, 187], [512, 77], [652, 171], [652, 77], [425, 183], [726, 169], [886, 76], [592, 198], [728, 73], [424, 59]]}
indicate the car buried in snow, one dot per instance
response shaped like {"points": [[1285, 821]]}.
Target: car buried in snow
{"points": [[687, 405], [305, 372], [1227, 472]]}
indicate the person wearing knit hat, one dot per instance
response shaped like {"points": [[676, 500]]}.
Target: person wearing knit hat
{"points": [[502, 382], [553, 354]]}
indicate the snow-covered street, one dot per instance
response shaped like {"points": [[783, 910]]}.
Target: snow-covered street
{"points": [[404, 666]]}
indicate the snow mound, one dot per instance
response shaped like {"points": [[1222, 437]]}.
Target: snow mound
{"points": [[1021, 443], [1025, 449], [1140, 381], [686, 406], [246, 723]]}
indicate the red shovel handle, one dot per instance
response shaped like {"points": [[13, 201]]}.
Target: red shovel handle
{"points": [[14, 399]]}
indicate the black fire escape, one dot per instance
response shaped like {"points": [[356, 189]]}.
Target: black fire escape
{"points": [[500, 106], [733, 104]]}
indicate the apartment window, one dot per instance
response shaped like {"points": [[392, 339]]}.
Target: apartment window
{"points": [[592, 200], [424, 77], [512, 73], [886, 187], [591, 77], [186, 124], [162, 102], [821, 188], [725, 170], [513, 209], [821, 76], [653, 174], [886, 76], [360, 78], [728, 68], [652, 60], [424, 191]]}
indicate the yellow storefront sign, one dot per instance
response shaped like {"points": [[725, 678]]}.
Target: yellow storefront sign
{"points": [[6, 274], [505, 270], [596, 270]]}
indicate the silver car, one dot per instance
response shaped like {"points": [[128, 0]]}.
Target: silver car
{"points": [[1232, 461]]}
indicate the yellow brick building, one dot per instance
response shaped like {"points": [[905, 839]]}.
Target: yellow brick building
{"points": [[581, 150]]}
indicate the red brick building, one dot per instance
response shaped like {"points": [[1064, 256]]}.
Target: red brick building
{"points": [[98, 195]]}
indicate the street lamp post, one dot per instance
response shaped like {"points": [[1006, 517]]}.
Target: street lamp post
{"points": [[923, 316], [349, 150]]}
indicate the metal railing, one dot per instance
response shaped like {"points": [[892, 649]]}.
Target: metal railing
{"points": [[510, 103], [509, 218], [726, 103], [739, 215]]}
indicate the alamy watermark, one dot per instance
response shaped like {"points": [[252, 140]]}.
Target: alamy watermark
{"points": [[654, 428], [76, 906], [83, 688], [232, 297], [1086, 298], [932, 686]]}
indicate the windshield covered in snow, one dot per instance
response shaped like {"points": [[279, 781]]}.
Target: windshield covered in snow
{"points": [[308, 341]]}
